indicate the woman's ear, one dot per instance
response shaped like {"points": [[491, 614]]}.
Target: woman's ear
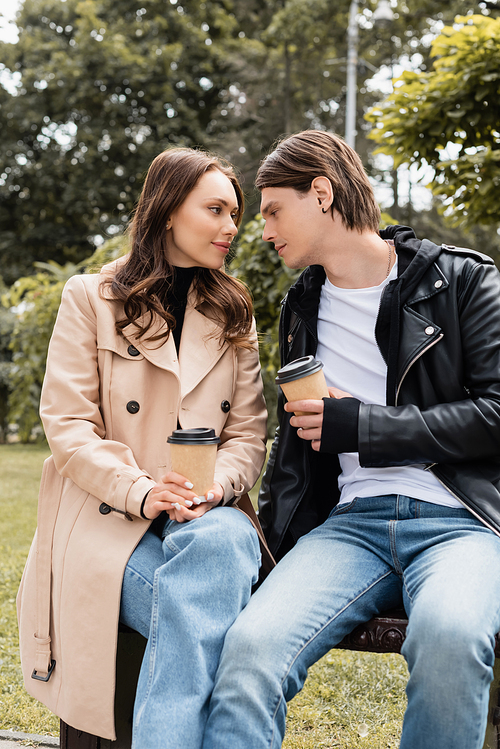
{"points": [[323, 192]]}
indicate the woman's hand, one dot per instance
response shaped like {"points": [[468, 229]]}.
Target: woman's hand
{"points": [[181, 512], [310, 425], [173, 493]]}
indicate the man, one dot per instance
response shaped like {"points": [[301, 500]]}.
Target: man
{"points": [[388, 491]]}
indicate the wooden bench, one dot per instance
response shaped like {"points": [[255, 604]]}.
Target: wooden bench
{"points": [[382, 634], [386, 634]]}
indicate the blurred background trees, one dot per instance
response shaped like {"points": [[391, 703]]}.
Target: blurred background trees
{"points": [[93, 90], [448, 116]]}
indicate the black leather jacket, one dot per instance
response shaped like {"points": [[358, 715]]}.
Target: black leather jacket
{"points": [[438, 329]]}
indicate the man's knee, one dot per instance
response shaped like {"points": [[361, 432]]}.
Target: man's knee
{"points": [[249, 645], [442, 639]]}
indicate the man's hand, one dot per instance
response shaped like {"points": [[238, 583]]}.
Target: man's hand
{"points": [[173, 493], [310, 425], [336, 393]]}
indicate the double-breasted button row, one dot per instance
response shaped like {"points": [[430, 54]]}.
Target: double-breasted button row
{"points": [[133, 407]]}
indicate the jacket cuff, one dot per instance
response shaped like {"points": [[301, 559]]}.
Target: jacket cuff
{"points": [[230, 491], [136, 493], [340, 425]]}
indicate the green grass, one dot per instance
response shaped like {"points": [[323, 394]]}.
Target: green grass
{"points": [[350, 701], [20, 469]]}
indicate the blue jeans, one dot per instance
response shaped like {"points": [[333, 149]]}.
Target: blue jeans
{"points": [[183, 593], [367, 557]]}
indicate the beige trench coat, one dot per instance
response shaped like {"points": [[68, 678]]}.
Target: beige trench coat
{"points": [[108, 405]]}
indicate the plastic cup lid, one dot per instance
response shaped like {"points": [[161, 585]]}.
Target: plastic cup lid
{"points": [[197, 436], [294, 370]]}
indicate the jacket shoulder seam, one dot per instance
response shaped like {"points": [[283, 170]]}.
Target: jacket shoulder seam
{"points": [[468, 252]]}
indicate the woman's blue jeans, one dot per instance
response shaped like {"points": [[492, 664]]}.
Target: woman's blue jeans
{"points": [[182, 594], [367, 557]]}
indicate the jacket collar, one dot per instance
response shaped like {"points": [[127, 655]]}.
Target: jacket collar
{"points": [[415, 256]]}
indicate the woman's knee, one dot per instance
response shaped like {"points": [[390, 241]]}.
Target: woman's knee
{"points": [[228, 533]]}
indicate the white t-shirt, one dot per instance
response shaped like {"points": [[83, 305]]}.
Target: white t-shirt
{"points": [[353, 362]]}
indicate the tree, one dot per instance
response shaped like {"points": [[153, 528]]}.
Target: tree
{"points": [[30, 309], [101, 88], [258, 264], [456, 102], [6, 328], [293, 76]]}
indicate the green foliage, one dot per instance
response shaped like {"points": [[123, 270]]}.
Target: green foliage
{"points": [[103, 87], [106, 253], [257, 264], [6, 328], [99, 88], [35, 301], [430, 224], [32, 303], [456, 102]]}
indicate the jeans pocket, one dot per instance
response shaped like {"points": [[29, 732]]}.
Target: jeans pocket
{"points": [[342, 509]]}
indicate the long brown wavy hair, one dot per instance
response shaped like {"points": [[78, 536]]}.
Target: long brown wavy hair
{"points": [[145, 281]]}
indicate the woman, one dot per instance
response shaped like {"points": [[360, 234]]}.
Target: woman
{"points": [[160, 339]]}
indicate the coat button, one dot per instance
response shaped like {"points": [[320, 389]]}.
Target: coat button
{"points": [[225, 406], [429, 330], [104, 509], [133, 407], [132, 351], [438, 284]]}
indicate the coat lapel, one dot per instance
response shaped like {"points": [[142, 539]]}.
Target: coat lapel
{"points": [[161, 353], [200, 349]]}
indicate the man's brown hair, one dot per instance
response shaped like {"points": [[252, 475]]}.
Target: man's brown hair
{"points": [[299, 158]]}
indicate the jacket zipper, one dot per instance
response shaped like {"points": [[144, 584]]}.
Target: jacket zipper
{"points": [[427, 468], [410, 365], [291, 333]]}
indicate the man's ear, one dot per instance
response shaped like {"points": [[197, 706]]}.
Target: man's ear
{"points": [[323, 192]]}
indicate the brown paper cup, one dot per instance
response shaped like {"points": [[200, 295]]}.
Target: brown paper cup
{"points": [[192, 454], [299, 383]]}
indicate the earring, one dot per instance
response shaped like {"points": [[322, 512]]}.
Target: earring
{"points": [[323, 210]]}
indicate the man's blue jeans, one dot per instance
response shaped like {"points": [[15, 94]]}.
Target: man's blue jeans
{"points": [[183, 594], [368, 555]]}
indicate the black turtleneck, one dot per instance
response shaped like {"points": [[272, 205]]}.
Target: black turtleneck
{"points": [[183, 279]]}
